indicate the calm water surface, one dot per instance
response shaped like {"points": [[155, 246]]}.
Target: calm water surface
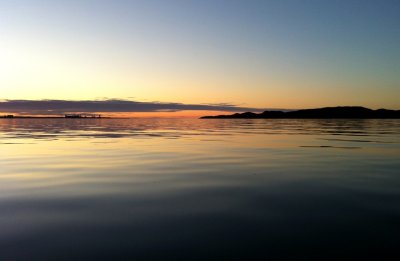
{"points": [[172, 189]]}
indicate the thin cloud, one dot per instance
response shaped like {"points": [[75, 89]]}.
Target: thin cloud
{"points": [[54, 107]]}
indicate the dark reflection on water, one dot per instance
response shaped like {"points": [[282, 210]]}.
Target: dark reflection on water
{"points": [[162, 189]]}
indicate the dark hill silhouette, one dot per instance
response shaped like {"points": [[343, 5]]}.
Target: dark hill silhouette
{"points": [[346, 112]]}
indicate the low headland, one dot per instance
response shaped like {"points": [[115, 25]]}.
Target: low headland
{"points": [[343, 112]]}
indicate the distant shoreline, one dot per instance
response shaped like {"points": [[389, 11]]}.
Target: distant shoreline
{"points": [[345, 112], [41, 117]]}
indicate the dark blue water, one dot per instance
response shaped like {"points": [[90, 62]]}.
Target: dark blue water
{"points": [[160, 189]]}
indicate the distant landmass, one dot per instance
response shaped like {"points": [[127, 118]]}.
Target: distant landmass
{"points": [[345, 112], [66, 116]]}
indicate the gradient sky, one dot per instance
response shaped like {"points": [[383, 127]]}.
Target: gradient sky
{"points": [[252, 53]]}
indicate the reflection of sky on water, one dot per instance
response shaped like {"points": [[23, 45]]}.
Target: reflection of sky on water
{"points": [[170, 128], [205, 189]]}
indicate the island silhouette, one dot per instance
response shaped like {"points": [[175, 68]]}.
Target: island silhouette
{"points": [[340, 112]]}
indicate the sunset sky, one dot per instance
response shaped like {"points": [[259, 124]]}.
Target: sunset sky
{"points": [[253, 54]]}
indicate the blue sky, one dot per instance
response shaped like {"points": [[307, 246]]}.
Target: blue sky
{"points": [[292, 54]]}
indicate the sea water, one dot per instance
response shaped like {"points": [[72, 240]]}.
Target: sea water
{"points": [[184, 189]]}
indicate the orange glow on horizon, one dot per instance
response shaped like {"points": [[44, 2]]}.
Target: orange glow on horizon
{"points": [[176, 114]]}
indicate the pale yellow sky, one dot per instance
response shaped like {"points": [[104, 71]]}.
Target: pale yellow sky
{"points": [[49, 52]]}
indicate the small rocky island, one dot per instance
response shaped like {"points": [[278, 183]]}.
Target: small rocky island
{"points": [[345, 112]]}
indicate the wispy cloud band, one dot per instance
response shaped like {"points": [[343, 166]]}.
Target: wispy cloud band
{"points": [[53, 107]]}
